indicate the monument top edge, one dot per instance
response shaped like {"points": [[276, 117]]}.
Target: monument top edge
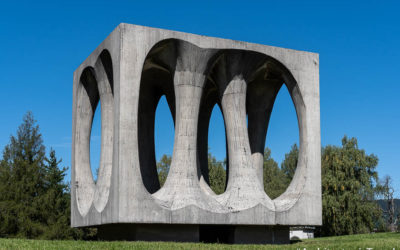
{"points": [[142, 27], [145, 33]]}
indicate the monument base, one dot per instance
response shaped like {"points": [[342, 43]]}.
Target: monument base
{"points": [[149, 232], [231, 234]]}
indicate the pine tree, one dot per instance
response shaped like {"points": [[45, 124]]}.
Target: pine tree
{"points": [[56, 200], [22, 182], [34, 200]]}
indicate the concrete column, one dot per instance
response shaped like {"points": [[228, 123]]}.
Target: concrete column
{"points": [[184, 163], [234, 106], [182, 186], [261, 96], [242, 191]]}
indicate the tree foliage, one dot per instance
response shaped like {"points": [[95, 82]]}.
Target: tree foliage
{"points": [[34, 200], [22, 182], [348, 177], [162, 168], [348, 186], [289, 164], [56, 200], [217, 174], [275, 179], [385, 191]]}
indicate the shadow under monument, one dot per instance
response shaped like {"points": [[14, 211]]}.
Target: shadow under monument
{"points": [[227, 234]]}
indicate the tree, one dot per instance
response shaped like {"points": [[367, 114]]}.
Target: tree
{"points": [[348, 177], [275, 180], [34, 200], [162, 168], [56, 201], [386, 192], [22, 182], [289, 164], [217, 174]]}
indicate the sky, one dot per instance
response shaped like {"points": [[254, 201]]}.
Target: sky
{"points": [[358, 42]]}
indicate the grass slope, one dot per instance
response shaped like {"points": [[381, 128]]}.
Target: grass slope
{"points": [[363, 241]]}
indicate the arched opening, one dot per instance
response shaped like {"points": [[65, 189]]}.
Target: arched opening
{"points": [[104, 74], [95, 143], [155, 85], [216, 157], [156, 93], [282, 145], [87, 101], [163, 139], [211, 141], [94, 126], [264, 94], [90, 108]]}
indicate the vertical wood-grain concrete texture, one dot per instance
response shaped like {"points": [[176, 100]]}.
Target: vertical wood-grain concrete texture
{"points": [[128, 74]]}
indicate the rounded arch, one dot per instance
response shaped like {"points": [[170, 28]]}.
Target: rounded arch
{"points": [[264, 85], [95, 85], [257, 75], [156, 81], [104, 70], [189, 75], [87, 100], [209, 100], [254, 78]]}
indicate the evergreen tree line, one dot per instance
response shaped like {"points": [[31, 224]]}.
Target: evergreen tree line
{"points": [[35, 200]]}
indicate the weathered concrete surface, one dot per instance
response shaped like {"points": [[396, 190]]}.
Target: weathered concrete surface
{"points": [[130, 71]]}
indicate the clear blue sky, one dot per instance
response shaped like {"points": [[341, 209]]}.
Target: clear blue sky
{"points": [[43, 42]]}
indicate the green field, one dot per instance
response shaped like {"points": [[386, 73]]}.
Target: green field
{"points": [[362, 241]]}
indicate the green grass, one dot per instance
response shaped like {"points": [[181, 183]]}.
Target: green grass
{"points": [[363, 241]]}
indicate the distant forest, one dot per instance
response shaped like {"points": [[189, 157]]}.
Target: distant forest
{"points": [[384, 205]]}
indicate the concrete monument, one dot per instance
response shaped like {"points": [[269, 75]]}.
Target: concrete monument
{"points": [[127, 74]]}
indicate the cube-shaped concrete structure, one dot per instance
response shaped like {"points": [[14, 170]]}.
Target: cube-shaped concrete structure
{"points": [[129, 72]]}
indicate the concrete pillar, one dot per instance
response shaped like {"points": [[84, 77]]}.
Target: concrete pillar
{"points": [[182, 187], [242, 191], [261, 96]]}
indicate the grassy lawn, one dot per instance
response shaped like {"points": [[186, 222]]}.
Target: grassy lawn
{"points": [[363, 241]]}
